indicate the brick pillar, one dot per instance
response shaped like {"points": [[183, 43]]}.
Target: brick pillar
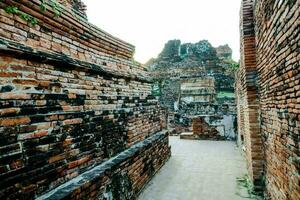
{"points": [[240, 108], [251, 107]]}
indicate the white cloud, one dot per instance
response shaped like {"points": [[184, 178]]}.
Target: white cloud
{"points": [[149, 24]]}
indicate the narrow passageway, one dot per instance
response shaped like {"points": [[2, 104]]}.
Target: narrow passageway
{"points": [[198, 170]]}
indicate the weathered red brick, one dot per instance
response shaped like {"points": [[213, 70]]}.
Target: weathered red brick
{"points": [[9, 111], [14, 121], [10, 74]]}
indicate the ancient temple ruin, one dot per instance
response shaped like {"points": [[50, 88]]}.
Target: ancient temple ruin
{"points": [[196, 85], [77, 119], [81, 119]]}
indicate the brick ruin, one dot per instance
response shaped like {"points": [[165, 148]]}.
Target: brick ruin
{"points": [[77, 118], [194, 80], [208, 117], [197, 94], [268, 97], [202, 130]]}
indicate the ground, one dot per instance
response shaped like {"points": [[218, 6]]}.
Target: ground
{"points": [[199, 170]]}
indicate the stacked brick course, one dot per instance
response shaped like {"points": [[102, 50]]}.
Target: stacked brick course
{"points": [[274, 71], [122, 177], [246, 88], [71, 99]]}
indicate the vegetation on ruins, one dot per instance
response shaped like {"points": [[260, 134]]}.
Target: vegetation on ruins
{"points": [[245, 182], [56, 8], [234, 65], [225, 94], [80, 119], [25, 16], [54, 5]]}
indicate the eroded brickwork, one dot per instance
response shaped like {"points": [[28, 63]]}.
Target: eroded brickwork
{"points": [[72, 98], [276, 61], [248, 98], [122, 177], [278, 64]]}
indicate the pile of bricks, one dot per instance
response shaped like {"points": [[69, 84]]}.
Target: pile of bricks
{"points": [[268, 95], [204, 131], [71, 99]]}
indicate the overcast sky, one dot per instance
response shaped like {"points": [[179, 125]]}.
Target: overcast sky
{"points": [[149, 24]]}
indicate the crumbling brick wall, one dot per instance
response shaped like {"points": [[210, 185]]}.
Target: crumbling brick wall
{"points": [[276, 60], [278, 64], [71, 98], [240, 99], [248, 97], [123, 177]]}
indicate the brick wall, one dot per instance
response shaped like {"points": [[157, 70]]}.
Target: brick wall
{"points": [[276, 63], [71, 98], [240, 99], [122, 177], [278, 59], [247, 97]]}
